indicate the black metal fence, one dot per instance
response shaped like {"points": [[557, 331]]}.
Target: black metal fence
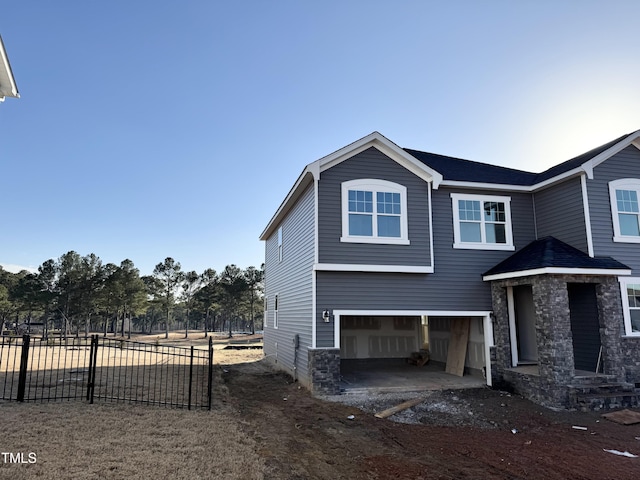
{"points": [[40, 370]]}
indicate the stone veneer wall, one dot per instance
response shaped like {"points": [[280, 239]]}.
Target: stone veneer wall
{"points": [[324, 370], [554, 338]]}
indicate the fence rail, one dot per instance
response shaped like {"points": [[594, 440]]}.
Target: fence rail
{"points": [[40, 370]]}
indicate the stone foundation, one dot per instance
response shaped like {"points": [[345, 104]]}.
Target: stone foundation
{"points": [[324, 371]]}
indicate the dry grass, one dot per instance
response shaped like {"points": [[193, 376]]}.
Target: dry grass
{"points": [[75, 440]]}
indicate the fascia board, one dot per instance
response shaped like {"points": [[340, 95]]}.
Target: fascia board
{"points": [[557, 271], [352, 267], [5, 71], [306, 178], [516, 188], [611, 151], [388, 148]]}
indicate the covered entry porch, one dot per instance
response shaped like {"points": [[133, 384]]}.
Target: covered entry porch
{"points": [[557, 321]]}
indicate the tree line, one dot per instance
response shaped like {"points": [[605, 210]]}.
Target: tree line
{"points": [[75, 294]]}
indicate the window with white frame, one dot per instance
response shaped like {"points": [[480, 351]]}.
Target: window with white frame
{"points": [[625, 211], [482, 222], [275, 312], [630, 290], [374, 211], [280, 244]]}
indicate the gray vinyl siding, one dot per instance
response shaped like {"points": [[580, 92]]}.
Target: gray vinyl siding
{"points": [[625, 164], [560, 213], [455, 285], [372, 164], [291, 280]]}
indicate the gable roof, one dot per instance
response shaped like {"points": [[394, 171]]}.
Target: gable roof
{"points": [[550, 255], [440, 169], [312, 171], [8, 86]]}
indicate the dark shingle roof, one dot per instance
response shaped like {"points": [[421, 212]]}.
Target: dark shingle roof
{"points": [[467, 171], [551, 252], [461, 170]]}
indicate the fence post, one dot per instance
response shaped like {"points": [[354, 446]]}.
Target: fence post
{"points": [[190, 377], [94, 353], [24, 358], [90, 380], [210, 373]]}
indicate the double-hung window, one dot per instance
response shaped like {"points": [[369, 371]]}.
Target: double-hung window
{"points": [[374, 211], [630, 290], [625, 211], [482, 222]]}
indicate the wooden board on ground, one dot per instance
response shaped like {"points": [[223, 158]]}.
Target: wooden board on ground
{"points": [[458, 339], [624, 417], [398, 408]]}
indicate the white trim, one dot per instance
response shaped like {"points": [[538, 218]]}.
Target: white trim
{"points": [[314, 309], [626, 314], [557, 271], [353, 267], [513, 339], [486, 319], [303, 181], [316, 221], [483, 245], [622, 184], [587, 216], [374, 186], [413, 313], [487, 324], [316, 255], [430, 229], [388, 148], [6, 72], [486, 186]]}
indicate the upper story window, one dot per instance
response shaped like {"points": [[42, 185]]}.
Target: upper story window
{"points": [[280, 244], [482, 222], [625, 213], [374, 211], [631, 305]]}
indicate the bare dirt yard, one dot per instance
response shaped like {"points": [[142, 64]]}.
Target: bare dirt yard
{"points": [[265, 426]]}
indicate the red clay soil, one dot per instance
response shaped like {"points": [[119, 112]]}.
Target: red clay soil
{"points": [[303, 437]]}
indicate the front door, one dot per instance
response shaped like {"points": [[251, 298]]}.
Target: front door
{"points": [[585, 325]]}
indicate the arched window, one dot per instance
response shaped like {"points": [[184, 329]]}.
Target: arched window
{"points": [[625, 211]]}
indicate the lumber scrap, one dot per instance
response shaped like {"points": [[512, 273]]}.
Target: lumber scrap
{"points": [[398, 408], [458, 339], [623, 417]]}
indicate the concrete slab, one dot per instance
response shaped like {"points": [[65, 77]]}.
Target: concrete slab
{"points": [[403, 378]]}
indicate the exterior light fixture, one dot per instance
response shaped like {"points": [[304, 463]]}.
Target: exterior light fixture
{"points": [[326, 315]]}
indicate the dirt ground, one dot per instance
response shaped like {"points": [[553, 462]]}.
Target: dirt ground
{"points": [[478, 434], [265, 426]]}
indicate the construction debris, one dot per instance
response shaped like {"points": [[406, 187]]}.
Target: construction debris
{"points": [[398, 408]]}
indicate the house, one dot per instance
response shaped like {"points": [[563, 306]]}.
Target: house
{"points": [[379, 251], [8, 86]]}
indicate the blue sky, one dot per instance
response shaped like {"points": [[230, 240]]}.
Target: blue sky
{"points": [[148, 129]]}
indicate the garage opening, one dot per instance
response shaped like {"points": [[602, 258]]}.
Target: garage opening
{"points": [[375, 352]]}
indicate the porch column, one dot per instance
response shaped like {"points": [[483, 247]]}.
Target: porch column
{"points": [[501, 352], [611, 326], [553, 333]]}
